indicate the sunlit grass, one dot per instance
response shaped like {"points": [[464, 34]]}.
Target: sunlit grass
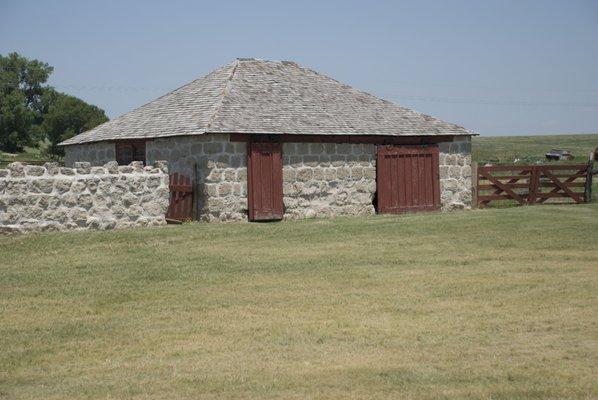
{"points": [[483, 304], [530, 149]]}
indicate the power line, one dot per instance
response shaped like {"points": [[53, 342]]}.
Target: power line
{"points": [[518, 103], [435, 99]]}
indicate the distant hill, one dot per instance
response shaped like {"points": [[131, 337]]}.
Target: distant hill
{"points": [[506, 149]]}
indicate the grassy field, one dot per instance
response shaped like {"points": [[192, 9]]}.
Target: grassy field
{"points": [[530, 150], [492, 304], [30, 154], [506, 149]]}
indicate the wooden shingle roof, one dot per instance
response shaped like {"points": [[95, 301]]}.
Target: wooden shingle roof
{"points": [[273, 97]]}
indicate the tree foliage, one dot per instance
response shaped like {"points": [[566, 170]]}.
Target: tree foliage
{"points": [[31, 110], [68, 116]]}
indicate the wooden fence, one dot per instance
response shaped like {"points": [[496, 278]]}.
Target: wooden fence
{"points": [[533, 184]]}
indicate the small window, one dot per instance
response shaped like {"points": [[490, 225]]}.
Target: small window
{"points": [[130, 150]]}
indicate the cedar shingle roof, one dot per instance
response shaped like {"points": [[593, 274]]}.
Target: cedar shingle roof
{"points": [[275, 97]]}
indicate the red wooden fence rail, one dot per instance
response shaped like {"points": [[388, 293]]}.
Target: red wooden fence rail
{"points": [[531, 184]]}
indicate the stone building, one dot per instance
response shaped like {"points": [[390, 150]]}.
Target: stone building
{"points": [[271, 139]]}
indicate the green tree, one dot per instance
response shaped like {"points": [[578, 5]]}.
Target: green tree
{"points": [[31, 111], [67, 116], [22, 85]]}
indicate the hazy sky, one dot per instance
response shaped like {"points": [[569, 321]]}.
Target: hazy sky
{"points": [[497, 67]]}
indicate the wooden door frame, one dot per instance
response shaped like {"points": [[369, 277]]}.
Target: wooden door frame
{"points": [[432, 149], [251, 181]]}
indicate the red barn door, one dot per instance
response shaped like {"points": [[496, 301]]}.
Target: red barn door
{"points": [[265, 181], [407, 179]]}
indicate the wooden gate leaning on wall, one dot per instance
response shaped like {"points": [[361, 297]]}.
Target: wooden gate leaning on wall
{"points": [[181, 198], [531, 184], [264, 177], [407, 179]]}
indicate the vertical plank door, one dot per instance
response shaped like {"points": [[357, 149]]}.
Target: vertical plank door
{"points": [[265, 181], [407, 179]]}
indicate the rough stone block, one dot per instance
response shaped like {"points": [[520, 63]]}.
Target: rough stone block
{"points": [[455, 171], [97, 171], [311, 160], [161, 165], [444, 171], [125, 169], [17, 170], [316, 148], [82, 167], [466, 171], [224, 189], [212, 148], [356, 173], [111, 167], [42, 185], [288, 174], [304, 174], [137, 166], [34, 170], [369, 173], [318, 173]]}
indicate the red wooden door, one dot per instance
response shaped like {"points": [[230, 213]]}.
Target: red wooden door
{"points": [[265, 181], [181, 198], [407, 179]]}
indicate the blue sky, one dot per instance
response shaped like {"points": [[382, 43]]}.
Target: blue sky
{"points": [[497, 67]]}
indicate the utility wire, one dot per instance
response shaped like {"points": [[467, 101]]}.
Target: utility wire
{"points": [[435, 99]]}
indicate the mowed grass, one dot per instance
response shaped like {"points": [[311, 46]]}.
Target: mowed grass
{"points": [[492, 304]]}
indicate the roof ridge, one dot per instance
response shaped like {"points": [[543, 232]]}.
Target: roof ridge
{"points": [[223, 94]]}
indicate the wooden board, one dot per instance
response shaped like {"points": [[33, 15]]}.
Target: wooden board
{"points": [[181, 198], [526, 184], [265, 181], [407, 179]]}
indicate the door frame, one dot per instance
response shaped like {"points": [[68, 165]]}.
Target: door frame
{"points": [[252, 180]]}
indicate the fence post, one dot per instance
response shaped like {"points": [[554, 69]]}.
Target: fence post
{"points": [[587, 194], [474, 184], [534, 184]]}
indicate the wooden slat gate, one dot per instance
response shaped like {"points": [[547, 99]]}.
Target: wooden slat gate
{"points": [[181, 198], [531, 184]]}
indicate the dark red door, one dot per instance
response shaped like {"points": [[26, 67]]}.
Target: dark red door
{"points": [[407, 179], [265, 181]]}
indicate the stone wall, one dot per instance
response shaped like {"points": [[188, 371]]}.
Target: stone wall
{"points": [[455, 175], [219, 167], [49, 197], [320, 179], [327, 179], [95, 153]]}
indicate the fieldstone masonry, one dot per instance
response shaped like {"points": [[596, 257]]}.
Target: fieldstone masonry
{"points": [[455, 175], [327, 179], [95, 153], [319, 179], [49, 197], [218, 166]]}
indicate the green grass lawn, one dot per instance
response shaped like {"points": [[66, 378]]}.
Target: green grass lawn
{"points": [[29, 154], [529, 149], [494, 304]]}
